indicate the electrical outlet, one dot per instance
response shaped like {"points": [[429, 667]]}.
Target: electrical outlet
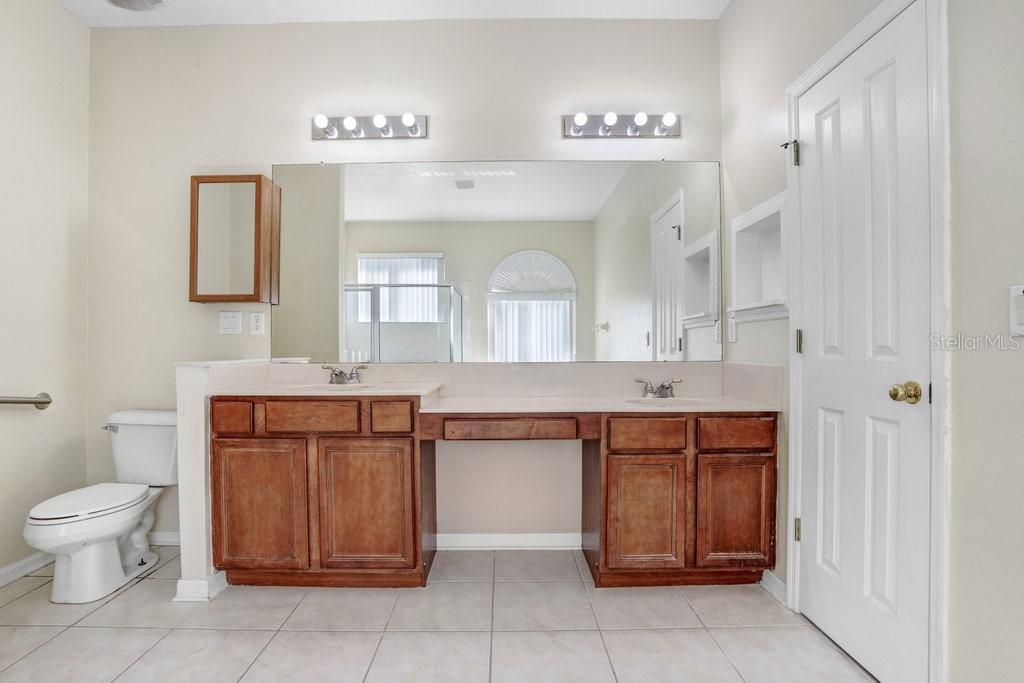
{"points": [[258, 323], [1017, 310], [732, 329], [230, 322]]}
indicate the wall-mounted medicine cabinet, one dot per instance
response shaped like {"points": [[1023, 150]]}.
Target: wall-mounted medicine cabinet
{"points": [[235, 239], [759, 264]]}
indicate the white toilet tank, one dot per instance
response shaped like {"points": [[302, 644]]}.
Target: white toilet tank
{"points": [[145, 445]]}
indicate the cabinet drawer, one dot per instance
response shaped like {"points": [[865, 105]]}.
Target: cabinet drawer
{"points": [[313, 416], [723, 433], [231, 417], [646, 433], [389, 417], [511, 428]]}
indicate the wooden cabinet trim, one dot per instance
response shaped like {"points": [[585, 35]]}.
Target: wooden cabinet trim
{"points": [[736, 506], [252, 496], [373, 494], [511, 428], [631, 513], [647, 433], [329, 416], [231, 417], [392, 416], [736, 433]]}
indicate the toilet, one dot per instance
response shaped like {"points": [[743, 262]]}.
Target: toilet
{"points": [[99, 533]]}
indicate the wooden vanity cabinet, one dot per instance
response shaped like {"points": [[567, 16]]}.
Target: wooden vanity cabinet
{"points": [[680, 499], [321, 491]]}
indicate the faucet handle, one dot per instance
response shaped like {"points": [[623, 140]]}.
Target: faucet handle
{"points": [[361, 366], [670, 382]]}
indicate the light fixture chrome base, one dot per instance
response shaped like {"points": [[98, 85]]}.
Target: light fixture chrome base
{"points": [[364, 129], [624, 127]]}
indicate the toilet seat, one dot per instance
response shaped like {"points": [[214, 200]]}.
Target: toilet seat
{"points": [[87, 503]]}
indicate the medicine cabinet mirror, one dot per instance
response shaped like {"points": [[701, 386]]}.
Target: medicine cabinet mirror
{"points": [[234, 239]]}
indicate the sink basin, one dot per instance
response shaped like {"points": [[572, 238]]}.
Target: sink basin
{"points": [[332, 387], [668, 402]]}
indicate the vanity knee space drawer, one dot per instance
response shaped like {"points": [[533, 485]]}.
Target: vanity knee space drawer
{"points": [[725, 433], [511, 428], [340, 417], [646, 433]]}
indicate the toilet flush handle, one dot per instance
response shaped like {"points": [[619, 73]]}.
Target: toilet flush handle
{"points": [[110, 428]]}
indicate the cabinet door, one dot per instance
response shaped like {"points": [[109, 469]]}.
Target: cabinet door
{"points": [[646, 511], [259, 504], [735, 510], [366, 508]]}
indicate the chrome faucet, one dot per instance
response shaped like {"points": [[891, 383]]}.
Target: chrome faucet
{"points": [[339, 376], [663, 390]]}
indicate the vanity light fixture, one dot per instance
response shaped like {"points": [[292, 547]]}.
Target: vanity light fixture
{"points": [[614, 125], [406, 126]]}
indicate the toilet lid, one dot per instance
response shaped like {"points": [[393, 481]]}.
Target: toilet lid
{"points": [[89, 501]]}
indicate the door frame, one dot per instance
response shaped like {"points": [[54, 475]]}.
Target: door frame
{"points": [[937, 40]]}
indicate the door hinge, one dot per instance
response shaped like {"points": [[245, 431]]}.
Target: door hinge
{"points": [[799, 341], [679, 232], [796, 150], [796, 529], [680, 344], [929, 392]]}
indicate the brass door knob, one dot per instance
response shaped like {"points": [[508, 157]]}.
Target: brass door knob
{"points": [[908, 391]]}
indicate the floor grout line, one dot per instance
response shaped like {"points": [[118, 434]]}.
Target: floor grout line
{"points": [[710, 633], [142, 654], [381, 639], [271, 638], [490, 648], [600, 631]]}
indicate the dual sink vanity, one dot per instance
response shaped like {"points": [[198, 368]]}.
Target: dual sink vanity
{"points": [[334, 484]]}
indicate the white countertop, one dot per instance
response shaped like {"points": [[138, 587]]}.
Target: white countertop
{"points": [[334, 390], [593, 404], [433, 403]]}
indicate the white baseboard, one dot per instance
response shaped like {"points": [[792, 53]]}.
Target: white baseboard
{"points": [[201, 590], [164, 538], [16, 570], [774, 585], [509, 541]]}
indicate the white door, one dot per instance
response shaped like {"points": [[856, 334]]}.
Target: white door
{"points": [[667, 267], [864, 468]]}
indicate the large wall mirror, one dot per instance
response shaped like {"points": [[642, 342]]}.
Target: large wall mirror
{"points": [[551, 261]]}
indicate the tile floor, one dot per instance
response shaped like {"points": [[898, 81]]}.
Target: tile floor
{"points": [[499, 616]]}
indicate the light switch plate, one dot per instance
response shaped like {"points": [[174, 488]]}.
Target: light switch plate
{"points": [[1017, 310], [230, 322], [258, 323], [732, 329]]}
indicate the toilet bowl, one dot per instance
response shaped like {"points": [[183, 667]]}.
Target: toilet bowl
{"points": [[99, 537], [99, 534]]}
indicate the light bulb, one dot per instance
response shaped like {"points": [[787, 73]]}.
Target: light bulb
{"points": [[580, 119], [380, 121], [611, 118], [408, 119], [349, 123], [640, 119], [321, 121], [668, 120]]}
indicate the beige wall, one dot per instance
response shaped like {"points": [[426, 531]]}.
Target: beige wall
{"points": [[622, 248], [471, 252], [167, 103], [987, 97], [763, 47], [44, 124]]}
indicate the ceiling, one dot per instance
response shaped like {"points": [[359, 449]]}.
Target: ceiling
{"points": [[213, 12], [503, 191]]}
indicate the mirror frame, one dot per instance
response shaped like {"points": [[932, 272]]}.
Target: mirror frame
{"points": [[266, 241]]}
